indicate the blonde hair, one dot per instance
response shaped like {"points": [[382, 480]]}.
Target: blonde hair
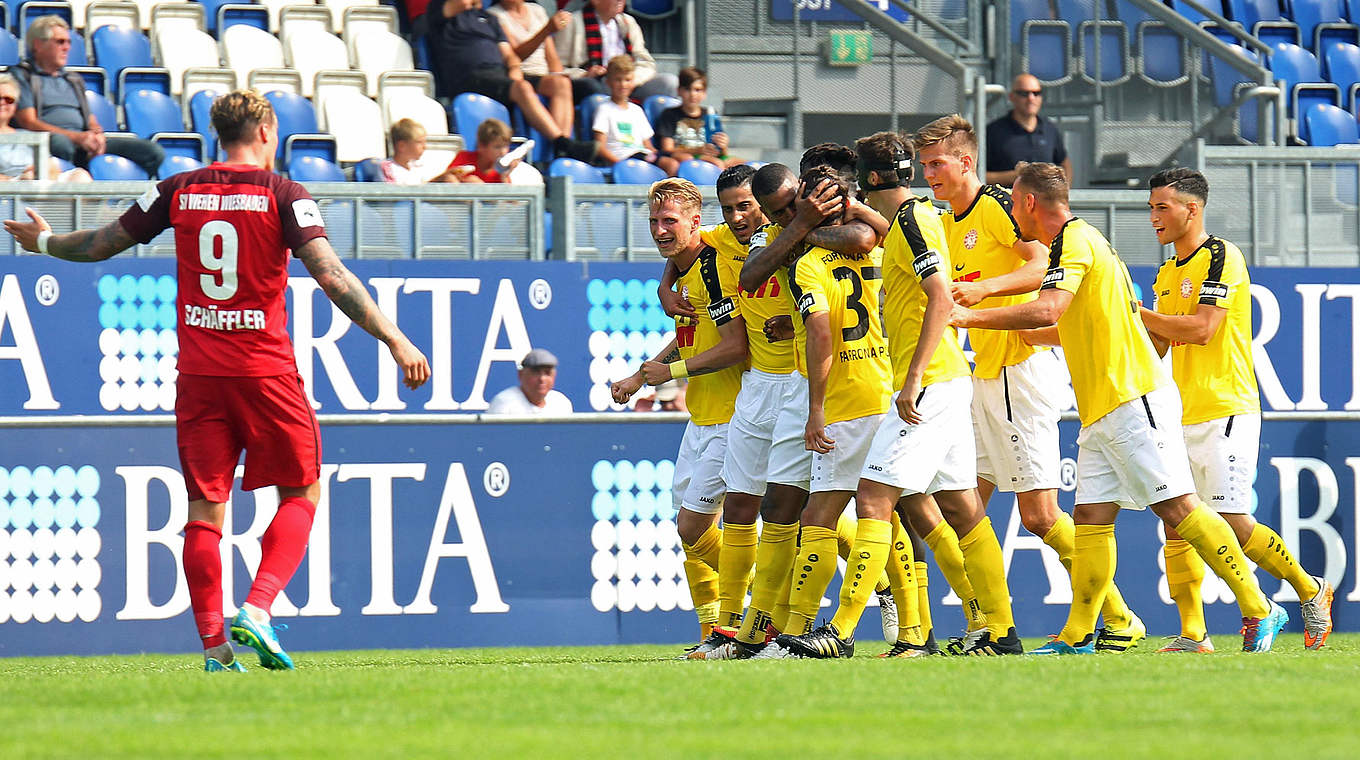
{"points": [[405, 130], [953, 131], [1045, 181], [493, 130], [681, 191], [236, 115], [620, 65], [8, 80]]}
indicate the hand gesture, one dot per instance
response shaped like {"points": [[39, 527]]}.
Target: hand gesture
{"points": [[625, 388], [961, 317], [675, 304], [655, 372], [26, 233], [779, 327], [966, 293], [823, 202], [814, 435]]}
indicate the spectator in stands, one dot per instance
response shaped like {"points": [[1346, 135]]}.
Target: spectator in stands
{"points": [[405, 167], [493, 161], [692, 130], [529, 30], [621, 128], [597, 33], [53, 100], [534, 394], [1024, 135], [17, 160], [667, 397], [472, 54]]}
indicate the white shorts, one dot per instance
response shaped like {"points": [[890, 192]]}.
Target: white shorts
{"points": [[838, 469], [935, 455], [1135, 455], [698, 484], [765, 438], [1015, 424], [1223, 460]]}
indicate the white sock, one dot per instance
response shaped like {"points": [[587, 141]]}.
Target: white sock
{"points": [[256, 614]]}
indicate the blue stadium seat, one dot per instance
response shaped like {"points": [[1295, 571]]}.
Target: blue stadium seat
{"points": [[586, 116], [175, 164], [9, 48], [200, 119], [580, 172], [368, 170], [1329, 125], [652, 8], [701, 173], [118, 49], [95, 78], [210, 13], [153, 116], [470, 109], [1353, 11], [313, 169], [1163, 56], [1131, 14], [295, 116], [1322, 21], [631, 171], [1044, 47], [1264, 19], [1076, 11], [1301, 76], [1191, 14], [1341, 63], [1115, 66], [110, 167], [103, 111], [1028, 10], [236, 12], [32, 11], [654, 105], [1225, 78], [77, 56]]}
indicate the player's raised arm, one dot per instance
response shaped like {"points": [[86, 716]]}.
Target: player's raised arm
{"points": [[82, 245], [345, 291]]}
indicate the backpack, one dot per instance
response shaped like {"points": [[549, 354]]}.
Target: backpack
{"points": [[25, 70]]}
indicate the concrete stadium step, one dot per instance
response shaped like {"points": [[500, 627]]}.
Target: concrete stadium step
{"points": [[1142, 143]]}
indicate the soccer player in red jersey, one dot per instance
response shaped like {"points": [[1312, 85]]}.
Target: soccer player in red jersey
{"points": [[238, 388]]}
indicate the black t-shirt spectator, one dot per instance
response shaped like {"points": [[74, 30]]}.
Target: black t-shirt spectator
{"points": [[1008, 144], [464, 43]]}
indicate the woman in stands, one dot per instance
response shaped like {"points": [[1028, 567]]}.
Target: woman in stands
{"points": [[16, 159], [530, 31]]}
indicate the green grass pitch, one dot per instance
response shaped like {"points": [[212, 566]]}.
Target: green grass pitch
{"points": [[637, 701]]}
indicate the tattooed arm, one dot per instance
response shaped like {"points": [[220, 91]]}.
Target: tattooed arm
{"points": [[345, 291], [81, 245], [622, 390]]}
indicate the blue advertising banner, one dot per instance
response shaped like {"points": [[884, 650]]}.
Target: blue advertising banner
{"points": [[829, 10]]}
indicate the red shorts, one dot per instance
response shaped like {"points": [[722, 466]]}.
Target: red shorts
{"points": [[268, 417]]}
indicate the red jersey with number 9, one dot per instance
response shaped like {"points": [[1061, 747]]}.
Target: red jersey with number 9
{"points": [[235, 227]]}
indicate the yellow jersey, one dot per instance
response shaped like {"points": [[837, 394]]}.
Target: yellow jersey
{"points": [[780, 279], [1109, 354], [710, 284], [913, 250], [846, 287], [1217, 379], [769, 300], [981, 240]]}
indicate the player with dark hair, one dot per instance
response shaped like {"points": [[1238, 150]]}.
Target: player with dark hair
{"points": [[238, 388], [1203, 316], [840, 158], [1131, 448]]}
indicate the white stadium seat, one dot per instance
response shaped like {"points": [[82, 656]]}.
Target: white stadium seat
{"points": [[181, 49], [356, 123], [310, 51], [246, 48], [424, 110], [378, 51]]}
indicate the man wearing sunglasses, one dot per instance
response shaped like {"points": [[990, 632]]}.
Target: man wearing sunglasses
{"points": [[1024, 135], [52, 100]]}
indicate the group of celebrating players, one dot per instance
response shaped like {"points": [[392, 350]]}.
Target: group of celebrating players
{"points": [[818, 324]]}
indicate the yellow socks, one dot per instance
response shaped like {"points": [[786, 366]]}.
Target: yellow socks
{"points": [[1216, 544], [1184, 576], [944, 544], [812, 573], [845, 538], [873, 539], [1265, 547], [901, 570], [922, 577], [701, 573], [774, 559], [982, 561], [1093, 565], [1061, 538], [734, 570]]}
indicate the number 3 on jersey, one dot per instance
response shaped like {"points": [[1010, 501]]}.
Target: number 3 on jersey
{"points": [[853, 299], [222, 285]]}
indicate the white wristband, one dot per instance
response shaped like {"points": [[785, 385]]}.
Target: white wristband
{"points": [[43, 237]]}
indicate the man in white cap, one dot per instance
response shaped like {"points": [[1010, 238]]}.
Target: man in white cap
{"points": [[534, 394]]}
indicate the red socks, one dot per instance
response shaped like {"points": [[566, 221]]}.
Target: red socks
{"points": [[284, 543], [203, 570]]}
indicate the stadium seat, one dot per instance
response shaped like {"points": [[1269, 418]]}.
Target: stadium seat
{"points": [[155, 116], [103, 13], [95, 78], [183, 50], [329, 83], [168, 17], [701, 173], [1027, 10], [210, 13], [9, 48], [376, 52], [652, 9], [274, 7], [338, 9], [587, 109], [230, 14], [77, 56], [313, 169], [200, 119], [580, 172], [126, 55], [631, 171], [1163, 56], [1329, 125], [310, 52], [368, 170], [31, 11], [245, 48], [295, 16], [1044, 47], [110, 167], [1115, 66], [470, 110], [1076, 12], [175, 164], [356, 123], [1301, 76], [654, 105], [103, 111], [379, 18], [1341, 63], [424, 110], [1264, 19], [298, 131], [1131, 14], [217, 79], [1322, 21], [1191, 14]]}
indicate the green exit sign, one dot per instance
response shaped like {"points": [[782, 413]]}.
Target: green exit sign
{"points": [[849, 47]]}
